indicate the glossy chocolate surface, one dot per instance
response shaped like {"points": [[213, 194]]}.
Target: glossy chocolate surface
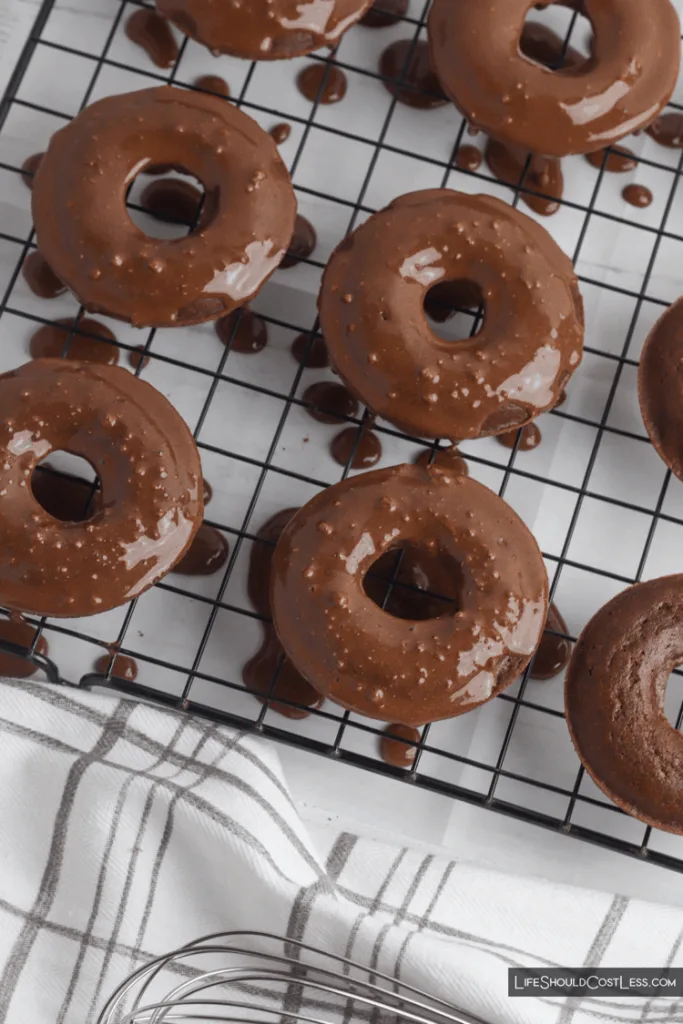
{"points": [[384, 13], [264, 29], [206, 555], [87, 236], [630, 76], [614, 701], [394, 751], [638, 195], [49, 341], [539, 178], [357, 448], [150, 473], [393, 669], [259, 672], [530, 438], [322, 83], [302, 243], [16, 630], [153, 33], [329, 402], [40, 277], [407, 73], [243, 331], [660, 387], [615, 161], [379, 341]]}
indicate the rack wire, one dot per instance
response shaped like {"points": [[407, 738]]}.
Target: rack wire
{"points": [[513, 755]]}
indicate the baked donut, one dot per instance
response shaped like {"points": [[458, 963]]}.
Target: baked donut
{"points": [[264, 29], [150, 477], [614, 700], [660, 387], [397, 670], [372, 315], [88, 238], [631, 75]]}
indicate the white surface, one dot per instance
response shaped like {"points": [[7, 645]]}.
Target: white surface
{"points": [[607, 536]]}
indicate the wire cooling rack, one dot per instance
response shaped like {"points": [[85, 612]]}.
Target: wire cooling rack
{"points": [[600, 502]]}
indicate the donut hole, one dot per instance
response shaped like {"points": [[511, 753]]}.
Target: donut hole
{"points": [[557, 35], [167, 203], [411, 582], [67, 487], [455, 309]]}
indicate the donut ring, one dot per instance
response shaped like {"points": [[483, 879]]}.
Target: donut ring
{"points": [[630, 76], [150, 475], [264, 29], [394, 669], [660, 387], [614, 701], [87, 237], [379, 341]]}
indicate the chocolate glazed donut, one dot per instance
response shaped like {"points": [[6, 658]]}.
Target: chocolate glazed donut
{"points": [[660, 387], [614, 699], [622, 87], [87, 237], [151, 503], [372, 314], [401, 671], [264, 29]]}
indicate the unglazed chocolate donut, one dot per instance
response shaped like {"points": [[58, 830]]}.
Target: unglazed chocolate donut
{"points": [[88, 238], [614, 699], [660, 387], [372, 315], [151, 504], [264, 29], [622, 87], [402, 671]]}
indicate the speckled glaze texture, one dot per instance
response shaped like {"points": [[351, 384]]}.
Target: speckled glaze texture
{"points": [[393, 669], [630, 76], [151, 480], [660, 387], [372, 314], [87, 236], [264, 29], [614, 698]]}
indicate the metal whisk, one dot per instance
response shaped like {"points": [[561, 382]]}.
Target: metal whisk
{"points": [[240, 977]]}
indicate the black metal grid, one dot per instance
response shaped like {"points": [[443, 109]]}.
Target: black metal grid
{"points": [[518, 702]]}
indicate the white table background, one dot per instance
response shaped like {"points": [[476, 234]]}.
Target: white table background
{"points": [[326, 790]]}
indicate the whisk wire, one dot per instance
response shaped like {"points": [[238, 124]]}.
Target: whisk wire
{"points": [[275, 973]]}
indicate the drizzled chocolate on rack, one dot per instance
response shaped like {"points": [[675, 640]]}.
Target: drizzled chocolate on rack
{"points": [[269, 672]]}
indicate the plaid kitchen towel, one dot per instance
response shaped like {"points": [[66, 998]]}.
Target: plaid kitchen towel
{"points": [[126, 831]]}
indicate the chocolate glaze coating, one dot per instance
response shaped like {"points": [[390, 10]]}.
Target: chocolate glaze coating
{"points": [[398, 670], [660, 387], [622, 87], [264, 29], [379, 341], [614, 700], [151, 479], [108, 262]]}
